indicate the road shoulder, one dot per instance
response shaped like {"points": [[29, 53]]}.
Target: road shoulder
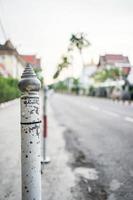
{"points": [[57, 179]]}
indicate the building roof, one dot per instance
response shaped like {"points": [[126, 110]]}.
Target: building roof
{"points": [[29, 59], [32, 59], [114, 58], [8, 49], [7, 46]]}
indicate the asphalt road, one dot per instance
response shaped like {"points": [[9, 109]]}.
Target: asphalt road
{"points": [[99, 136]]}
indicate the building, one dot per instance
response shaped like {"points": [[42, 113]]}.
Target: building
{"points": [[33, 60], [87, 71], [11, 63], [3, 71], [113, 60], [130, 77], [36, 64]]}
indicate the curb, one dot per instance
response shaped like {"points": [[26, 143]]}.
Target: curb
{"points": [[125, 103], [8, 103]]}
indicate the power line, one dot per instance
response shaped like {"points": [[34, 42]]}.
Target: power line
{"points": [[1, 24], [3, 30]]}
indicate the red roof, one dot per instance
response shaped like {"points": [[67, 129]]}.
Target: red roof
{"points": [[29, 59], [113, 57], [32, 59]]}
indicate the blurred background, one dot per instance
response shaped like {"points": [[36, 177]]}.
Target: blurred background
{"points": [[83, 52], [40, 32]]}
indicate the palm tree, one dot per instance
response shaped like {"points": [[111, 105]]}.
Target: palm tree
{"points": [[80, 42]]}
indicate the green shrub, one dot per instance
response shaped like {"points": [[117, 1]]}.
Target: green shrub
{"points": [[103, 75], [8, 89]]}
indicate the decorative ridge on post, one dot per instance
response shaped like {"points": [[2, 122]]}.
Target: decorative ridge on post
{"points": [[29, 81], [28, 72]]}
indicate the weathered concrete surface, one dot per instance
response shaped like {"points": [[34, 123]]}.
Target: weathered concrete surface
{"points": [[90, 144], [57, 179], [10, 152]]}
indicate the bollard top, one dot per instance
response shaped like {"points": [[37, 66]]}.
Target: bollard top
{"points": [[29, 81], [45, 88]]}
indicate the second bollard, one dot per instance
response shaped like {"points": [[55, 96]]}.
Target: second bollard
{"points": [[46, 159], [30, 135]]}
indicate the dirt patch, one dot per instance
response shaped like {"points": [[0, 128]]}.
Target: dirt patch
{"points": [[93, 190], [78, 159], [84, 189]]}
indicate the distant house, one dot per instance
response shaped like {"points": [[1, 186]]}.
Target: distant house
{"points": [[113, 60], [32, 59], [11, 63], [3, 71], [36, 64], [87, 72]]}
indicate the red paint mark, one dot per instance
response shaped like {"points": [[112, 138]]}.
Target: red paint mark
{"points": [[45, 126]]}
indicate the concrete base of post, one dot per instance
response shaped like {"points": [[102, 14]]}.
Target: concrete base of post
{"points": [[43, 162], [47, 160]]}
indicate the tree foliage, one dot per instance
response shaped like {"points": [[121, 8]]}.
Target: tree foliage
{"points": [[64, 64], [103, 75], [38, 72], [79, 41], [76, 40], [8, 89], [60, 86]]}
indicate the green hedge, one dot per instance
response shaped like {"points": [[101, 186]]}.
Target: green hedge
{"points": [[8, 89]]}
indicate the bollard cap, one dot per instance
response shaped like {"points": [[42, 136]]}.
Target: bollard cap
{"points": [[45, 88], [29, 81]]}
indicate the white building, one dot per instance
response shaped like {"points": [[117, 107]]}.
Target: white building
{"points": [[11, 63], [87, 72]]}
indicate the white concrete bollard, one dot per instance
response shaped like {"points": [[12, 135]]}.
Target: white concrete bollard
{"points": [[30, 135]]}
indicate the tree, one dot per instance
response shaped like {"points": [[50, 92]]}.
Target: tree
{"points": [[64, 64], [113, 73], [80, 42], [38, 72]]}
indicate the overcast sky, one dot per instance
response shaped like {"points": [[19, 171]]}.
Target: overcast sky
{"points": [[44, 27]]}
